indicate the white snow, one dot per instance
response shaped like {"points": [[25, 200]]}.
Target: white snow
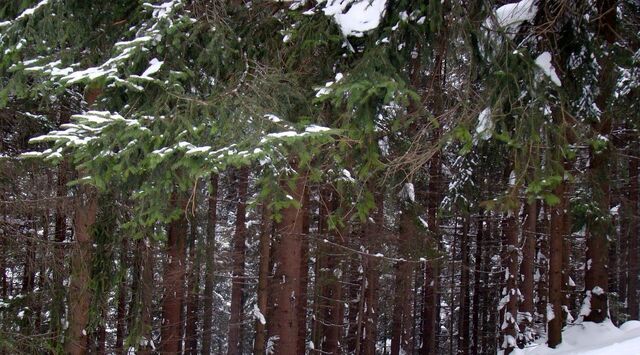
{"points": [[485, 125], [513, 15], [154, 66], [593, 339], [259, 316], [544, 62], [360, 16], [408, 192]]}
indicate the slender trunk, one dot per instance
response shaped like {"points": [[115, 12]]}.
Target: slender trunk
{"points": [[596, 274], [193, 288], [554, 312], [79, 286], [284, 330], [430, 326], [334, 307], [510, 297], [146, 295], [542, 262], [122, 296], [173, 278], [632, 235], [327, 206], [476, 332], [463, 322], [371, 266], [304, 274], [238, 256], [263, 279], [209, 280], [526, 270], [60, 233]]}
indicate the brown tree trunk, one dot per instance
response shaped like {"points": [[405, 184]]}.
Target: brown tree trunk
{"points": [[146, 295], [284, 330], [122, 296], [238, 257], [401, 321], [86, 208], [463, 322], [304, 274], [263, 278], [332, 278], [193, 288], [209, 279], [510, 298], [432, 269], [596, 275], [632, 235], [554, 318], [526, 270], [371, 267], [476, 332], [173, 278]]}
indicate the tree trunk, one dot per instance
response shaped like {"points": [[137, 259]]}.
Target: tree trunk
{"points": [[174, 272], [554, 313], [193, 288], [122, 296], [332, 278], [526, 270], [476, 332], [304, 274], [284, 330], [86, 208], [209, 280], [263, 278], [146, 295], [371, 266], [510, 297], [238, 257], [463, 322], [632, 235]]}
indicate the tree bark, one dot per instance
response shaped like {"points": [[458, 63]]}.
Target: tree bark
{"points": [[209, 280], [526, 270], [632, 235], [263, 278], [510, 298], [304, 274], [476, 329], [122, 296], [463, 322], [554, 318], [86, 208], [238, 256], [284, 330], [173, 280], [193, 288]]}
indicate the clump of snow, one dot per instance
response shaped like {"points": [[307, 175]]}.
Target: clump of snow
{"points": [[154, 66], [355, 17], [258, 315], [484, 129], [511, 16], [544, 62]]}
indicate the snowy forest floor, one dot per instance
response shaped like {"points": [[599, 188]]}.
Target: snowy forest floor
{"points": [[593, 339]]}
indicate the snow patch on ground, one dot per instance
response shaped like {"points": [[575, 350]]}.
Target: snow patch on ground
{"points": [[591, 338]]}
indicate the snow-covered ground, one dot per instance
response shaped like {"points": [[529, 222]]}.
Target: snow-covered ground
{"points": [[594, 339]]}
